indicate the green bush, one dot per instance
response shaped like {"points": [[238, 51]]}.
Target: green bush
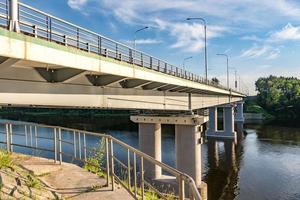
{"points": [[5, 160]]}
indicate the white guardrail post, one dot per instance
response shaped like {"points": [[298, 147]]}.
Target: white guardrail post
{"points": [[14, 16]]}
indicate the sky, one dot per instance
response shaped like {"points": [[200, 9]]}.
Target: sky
{"points": [[261, 37]]}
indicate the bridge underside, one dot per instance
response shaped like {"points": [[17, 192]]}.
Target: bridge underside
{"points": [[35, 72], [27, 86]]}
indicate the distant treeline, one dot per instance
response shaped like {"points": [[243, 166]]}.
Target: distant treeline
{"points": [[279, 96]]}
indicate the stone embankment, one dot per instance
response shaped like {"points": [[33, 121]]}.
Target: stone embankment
{"points": [[27, 177]]}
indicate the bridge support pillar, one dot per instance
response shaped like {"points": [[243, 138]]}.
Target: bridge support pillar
{"points": [[239, 120], [228, 118], [188, 150], [150, 143], [14, 16], [229, 122], [187, 142], [239, 117], [212, 122]]}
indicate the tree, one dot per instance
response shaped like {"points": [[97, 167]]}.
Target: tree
{"points": [[280, 96], [215, 81]]}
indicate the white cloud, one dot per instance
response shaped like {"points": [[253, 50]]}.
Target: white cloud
{"points": [[265, 51], [77, 4], [273, 54], [255, 51], [289, 32], [147, 41], [189, 36], [252, 38]]}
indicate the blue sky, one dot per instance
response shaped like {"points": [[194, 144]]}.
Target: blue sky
{"points": [[261, 37]]}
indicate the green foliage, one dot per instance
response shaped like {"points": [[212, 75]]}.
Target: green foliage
{"points": [[32, 182], [279, 96], [95, 159], [215, 81], [5, 160]]}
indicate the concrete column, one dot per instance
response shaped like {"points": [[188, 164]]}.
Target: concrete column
{"points": [[239, 114], [229, 122], [213, 121], [188, 151], [14, 16], [150, 143]]}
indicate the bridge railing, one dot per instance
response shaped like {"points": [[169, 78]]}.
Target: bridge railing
{"points": [[42, 25], [121, 162]]}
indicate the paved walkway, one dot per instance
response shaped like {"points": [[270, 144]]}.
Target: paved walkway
{"points": [[69, 181]]}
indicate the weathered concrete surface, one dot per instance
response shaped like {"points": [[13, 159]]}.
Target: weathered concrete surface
{"points": [[70, 181]]}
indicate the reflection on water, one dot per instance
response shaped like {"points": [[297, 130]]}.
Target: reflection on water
{"points": [[263, 165]]}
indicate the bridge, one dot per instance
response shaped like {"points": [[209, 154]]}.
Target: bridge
{"points": [[48, 62]]}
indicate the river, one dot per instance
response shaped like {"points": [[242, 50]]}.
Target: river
{"points": [[264, 165]]}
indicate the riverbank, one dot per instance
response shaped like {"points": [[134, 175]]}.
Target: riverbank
{"points": [[28, 177]]}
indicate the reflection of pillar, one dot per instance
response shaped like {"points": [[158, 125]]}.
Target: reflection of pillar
{"points": [[213, 153], [188, 151], [230, 153], [150, 143], [212, 122]]}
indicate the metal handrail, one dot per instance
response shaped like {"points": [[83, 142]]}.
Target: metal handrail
{"points": [[58, 30], [32, 129]]}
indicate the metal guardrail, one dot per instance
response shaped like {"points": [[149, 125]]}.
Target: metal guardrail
{"points": [[39, 24], [55, 140]]}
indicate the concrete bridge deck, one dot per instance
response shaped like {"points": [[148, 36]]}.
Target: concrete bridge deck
{"points": [[46, 65]]}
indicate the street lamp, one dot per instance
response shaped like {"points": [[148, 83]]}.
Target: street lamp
{"points": [[134, 39], [235, 77], [184, 60], [222, 54], [205, 41]]}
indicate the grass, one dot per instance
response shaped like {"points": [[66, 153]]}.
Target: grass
{"points": [[5, 160], [95, 159], [32, 182]]}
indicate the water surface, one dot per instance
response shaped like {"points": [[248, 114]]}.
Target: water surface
{"points": [[264, 165]]}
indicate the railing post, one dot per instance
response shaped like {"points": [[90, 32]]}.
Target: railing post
{"points": [[25, 131], [88, 47], [117, 54], [84, 146], [130, 56], [66, 40], [79, 145], [142, 178], [7, 137], [60, 147], [14, 16], [74, 143], [166, 68], [181, 188], [99, 45], [54, 145], [36, 136], [128, 169], [151, 62], [134, 175], [35, 31], [78, 45], [30, 129], [107, 160], [112, 165], [11, 138]]}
